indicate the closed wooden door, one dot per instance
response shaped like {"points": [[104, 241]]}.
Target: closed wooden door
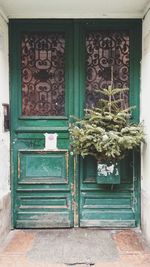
{"points": [[55, 67], [42, 95], [110, 49]]}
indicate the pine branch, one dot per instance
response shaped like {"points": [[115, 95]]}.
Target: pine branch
{"points": [[106, 132]]}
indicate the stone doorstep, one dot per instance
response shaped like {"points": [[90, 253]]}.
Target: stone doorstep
{"points": [[26, 248]]}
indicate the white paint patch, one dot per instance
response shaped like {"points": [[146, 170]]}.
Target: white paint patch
{"points": [[107, 170]]}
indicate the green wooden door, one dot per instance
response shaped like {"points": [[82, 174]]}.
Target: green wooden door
{"points": [[52, 77], [109, 47], [41, 99]]}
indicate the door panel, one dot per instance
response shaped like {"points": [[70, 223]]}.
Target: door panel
{"points": [[42, 180], [109, 59], [106, 205], [43, 206], [43, 167]]}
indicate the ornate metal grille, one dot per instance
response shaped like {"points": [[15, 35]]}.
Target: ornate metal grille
{"points": [[42, 69], [107, 53]]}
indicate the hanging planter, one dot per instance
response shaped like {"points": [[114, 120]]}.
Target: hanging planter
{"points": [[108, 173]]}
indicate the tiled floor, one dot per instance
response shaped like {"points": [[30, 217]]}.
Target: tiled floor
{"points": [[74, 247]]}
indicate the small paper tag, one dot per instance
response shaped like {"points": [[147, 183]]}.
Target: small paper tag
{"points": [[50, 141]]}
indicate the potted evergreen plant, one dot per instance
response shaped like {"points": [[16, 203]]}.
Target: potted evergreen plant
{"points": [[106, 133]]}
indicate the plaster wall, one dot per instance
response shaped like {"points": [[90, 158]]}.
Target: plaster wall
{"points": [[145, 116], [74, 9], [4, 136]]}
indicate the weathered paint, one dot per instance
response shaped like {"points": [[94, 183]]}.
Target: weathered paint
{"points": [[42, 179], [47, 201], [122, 202]]}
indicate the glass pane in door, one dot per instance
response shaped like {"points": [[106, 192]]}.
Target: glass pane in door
{"points": [[107, 62], [42, 74]]}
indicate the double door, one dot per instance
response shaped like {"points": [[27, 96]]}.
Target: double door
{"points": [[55, 68]]}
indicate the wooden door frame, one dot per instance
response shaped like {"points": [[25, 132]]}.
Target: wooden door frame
{"points": [[79, 26]]}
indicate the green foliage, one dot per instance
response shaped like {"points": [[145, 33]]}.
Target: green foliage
{"points": [[106, 131]]}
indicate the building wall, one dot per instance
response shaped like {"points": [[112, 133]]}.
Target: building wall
{"points": [[145, 111], [4, 136]]}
